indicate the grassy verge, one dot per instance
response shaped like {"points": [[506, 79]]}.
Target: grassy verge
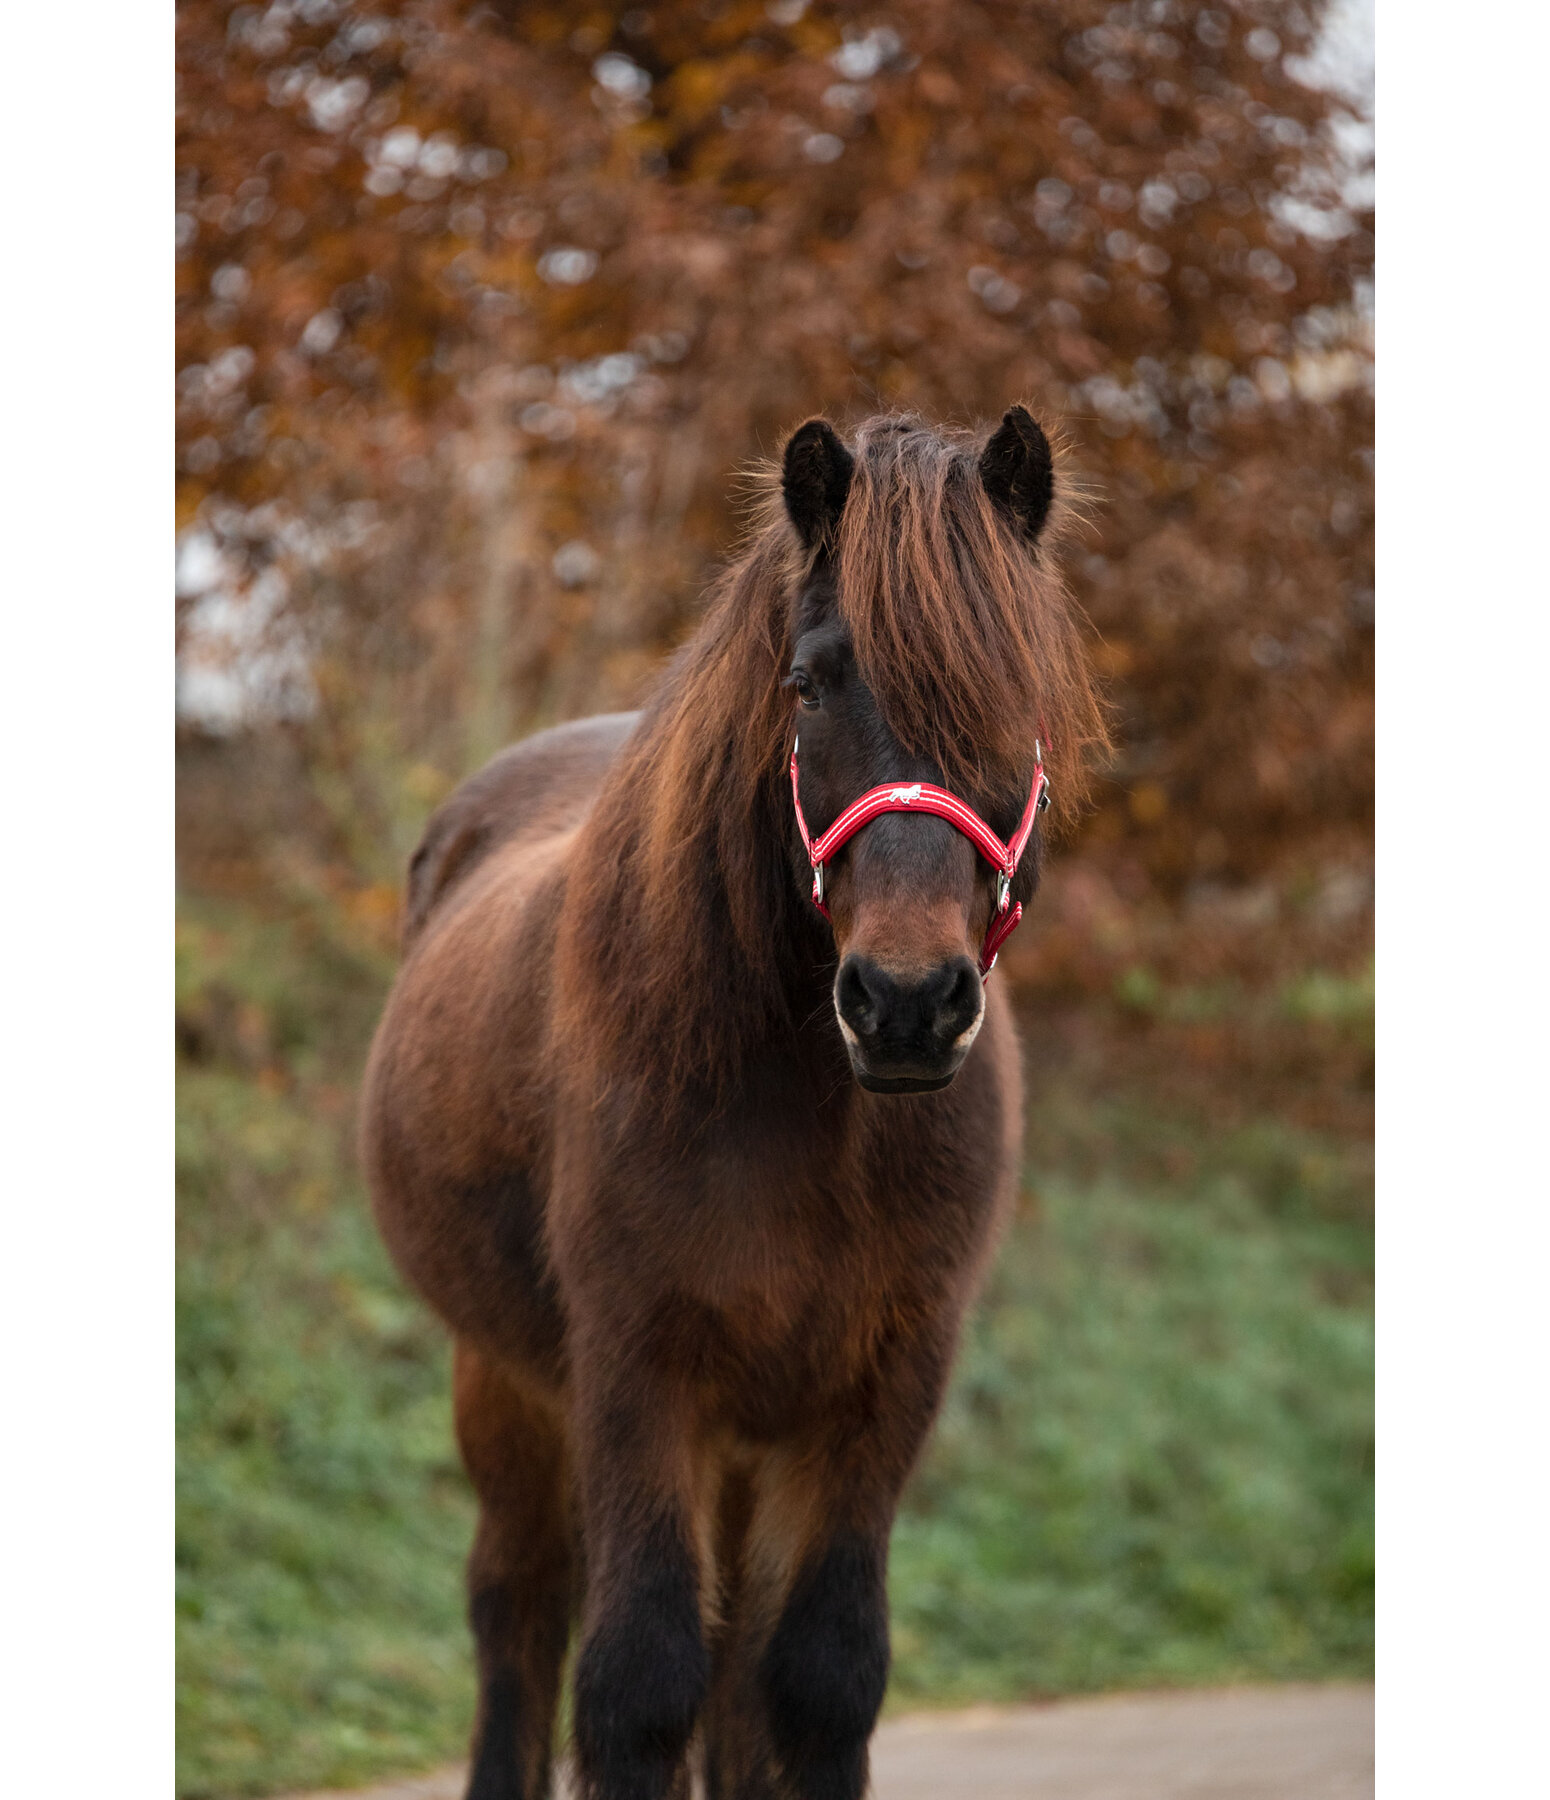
{"points": [[322, 1516], [1155, 1465]]}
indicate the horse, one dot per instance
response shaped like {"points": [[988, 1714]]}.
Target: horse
{"points": [[693, 1115]]}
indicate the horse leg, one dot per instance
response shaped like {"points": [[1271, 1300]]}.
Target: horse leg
{"points": [[803, 1663], [802, 1659], [642, 1669], [739, 1762], [825, 1667], [520, 1575]]}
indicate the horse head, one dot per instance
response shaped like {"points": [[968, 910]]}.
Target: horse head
{"points": [[913, 902]]}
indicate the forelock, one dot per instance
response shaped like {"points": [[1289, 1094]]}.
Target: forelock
{"points": [[964, 631]]}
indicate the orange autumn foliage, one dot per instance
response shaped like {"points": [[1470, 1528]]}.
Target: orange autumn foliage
{"points": [[482, 309]]}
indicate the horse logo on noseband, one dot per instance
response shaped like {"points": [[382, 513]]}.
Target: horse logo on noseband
{"points": [[905, 796]]}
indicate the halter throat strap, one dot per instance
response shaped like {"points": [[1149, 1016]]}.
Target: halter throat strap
{"points": [[925, 797]]}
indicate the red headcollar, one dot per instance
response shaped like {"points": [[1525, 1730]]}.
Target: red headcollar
{"points": [[923, 797]]}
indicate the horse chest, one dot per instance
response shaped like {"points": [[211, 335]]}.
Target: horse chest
{"points": [[800, 1307]]}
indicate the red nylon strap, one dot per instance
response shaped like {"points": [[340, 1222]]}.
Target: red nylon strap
{"points": [[924, 797]]}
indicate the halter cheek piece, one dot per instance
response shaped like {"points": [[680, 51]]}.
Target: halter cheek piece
{"points": [[922, 797]]}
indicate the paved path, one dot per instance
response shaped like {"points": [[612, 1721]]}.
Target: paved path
{"points": [[1266, 1743]]}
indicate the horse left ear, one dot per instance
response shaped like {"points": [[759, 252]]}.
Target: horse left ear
{"points": [[1018, 470], [814, 480]]}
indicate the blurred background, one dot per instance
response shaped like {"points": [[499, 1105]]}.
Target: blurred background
{"points": [[484, 311]]}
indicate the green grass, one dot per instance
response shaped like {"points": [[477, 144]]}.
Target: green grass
{"points": [[1155, 1464], [322, 1517]]}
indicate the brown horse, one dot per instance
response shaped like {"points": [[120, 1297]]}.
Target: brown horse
{"points": [[701, 1177]]}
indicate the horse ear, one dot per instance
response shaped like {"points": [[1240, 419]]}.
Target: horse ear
{"points": [[1019, 472], [815, 478]]}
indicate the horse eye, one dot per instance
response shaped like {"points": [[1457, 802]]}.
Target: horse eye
{"points": [[806, 692]]}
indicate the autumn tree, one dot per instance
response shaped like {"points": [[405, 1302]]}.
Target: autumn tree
{"points": [[482, 308]]}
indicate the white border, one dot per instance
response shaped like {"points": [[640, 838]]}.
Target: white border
{"points": [[1463, 1239], [86, 903]]}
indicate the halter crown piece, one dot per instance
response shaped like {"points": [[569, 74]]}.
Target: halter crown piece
{"points": [[923, 797]]}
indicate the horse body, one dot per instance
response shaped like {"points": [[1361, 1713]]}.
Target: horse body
{"points": [[705, 1287], [765, 1224]]}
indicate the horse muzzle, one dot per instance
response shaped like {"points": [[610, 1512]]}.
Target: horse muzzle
{"points": [[908, 1034]]}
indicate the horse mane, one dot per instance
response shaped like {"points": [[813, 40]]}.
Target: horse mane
{"points": [[972, 646]]}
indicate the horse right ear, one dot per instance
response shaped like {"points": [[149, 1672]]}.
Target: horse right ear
{"points": [[814, 480], [1019, 472]]}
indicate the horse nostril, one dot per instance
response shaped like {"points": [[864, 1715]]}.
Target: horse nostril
{"points": [[860, 1004], [959, 1005]]}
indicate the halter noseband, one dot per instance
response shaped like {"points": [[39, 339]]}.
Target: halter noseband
{"points": [[923, 797]]}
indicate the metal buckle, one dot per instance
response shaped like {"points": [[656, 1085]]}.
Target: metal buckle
{"points": [[818, 884], [1043, 805], [1003, 889]]}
